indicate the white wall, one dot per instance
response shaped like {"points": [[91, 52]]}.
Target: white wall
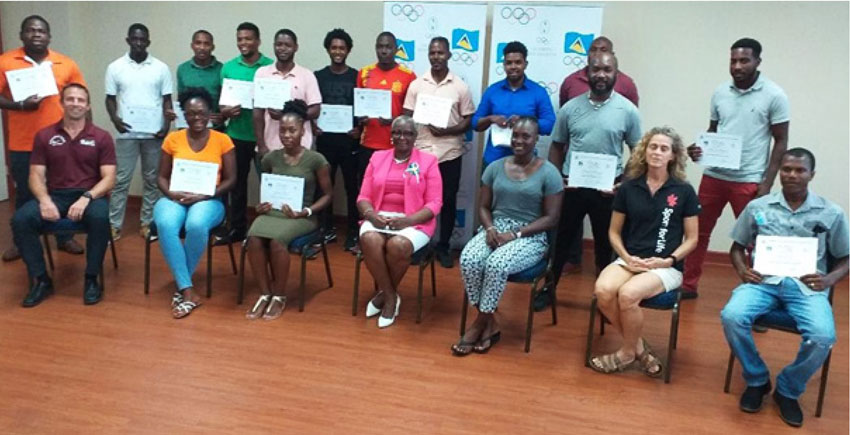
{"points": [[677, 53]]}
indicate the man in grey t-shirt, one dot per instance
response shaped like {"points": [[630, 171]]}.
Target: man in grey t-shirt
{"points": [[598, 122], [754, 109]]}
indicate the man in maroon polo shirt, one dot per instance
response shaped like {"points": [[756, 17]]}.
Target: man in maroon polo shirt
{"points": [[72, 168]]}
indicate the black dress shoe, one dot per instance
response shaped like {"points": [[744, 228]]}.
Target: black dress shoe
{"points": [[789, 409], [445, 258], [92, 291], [39, 291], [543, 300], [753, 397]]}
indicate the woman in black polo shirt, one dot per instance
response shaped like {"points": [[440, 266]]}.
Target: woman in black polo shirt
{"points": [[653, 227]]}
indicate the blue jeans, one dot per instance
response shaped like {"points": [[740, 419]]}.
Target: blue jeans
{"points": [[197, 219], [813, 315]]}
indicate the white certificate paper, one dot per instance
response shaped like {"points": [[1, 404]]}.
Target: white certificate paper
{"points": [[785, 256], [237, 93], [433, 110], [193, 177], [26, 82], [335, 118], [271, 93], [593, 171], [373, 103], [142, 119], [282, 189], [720, 150], [500, 136]]}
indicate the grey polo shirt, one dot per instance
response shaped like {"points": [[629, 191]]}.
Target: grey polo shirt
{"points": [[749, 113], [770, 215], [599, 130]]}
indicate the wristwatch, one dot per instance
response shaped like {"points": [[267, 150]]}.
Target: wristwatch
{"points": [[87, 195]]}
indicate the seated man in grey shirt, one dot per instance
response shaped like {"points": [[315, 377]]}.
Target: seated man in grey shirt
{"points": [[598, 122]]}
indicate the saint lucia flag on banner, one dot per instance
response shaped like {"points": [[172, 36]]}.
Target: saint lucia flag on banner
{"points": [[500, 57], [465, 39], [578, 43], [406, 51]]}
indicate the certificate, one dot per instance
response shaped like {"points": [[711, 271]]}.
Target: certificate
{"points": [[271, 93], [500, 136], [237, 93], [335, 118], [193, 177], [180, 122], [720, 150], [26, 82], [282, 189], [785, 256], [432, 110], [593, 171], [373, 103], [142, 119]]}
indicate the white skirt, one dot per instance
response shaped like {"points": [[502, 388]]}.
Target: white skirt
{"points": [[417, 238], [671, 277]]}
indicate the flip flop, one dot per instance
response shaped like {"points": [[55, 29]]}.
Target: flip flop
{"points": [[184, 308], [457, 348], [491, 341]]}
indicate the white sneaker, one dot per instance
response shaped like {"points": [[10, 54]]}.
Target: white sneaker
{"points": [[384, 322]]}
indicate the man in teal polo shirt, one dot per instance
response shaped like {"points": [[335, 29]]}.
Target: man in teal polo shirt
{"points": [[240, 125], [203, 70]]}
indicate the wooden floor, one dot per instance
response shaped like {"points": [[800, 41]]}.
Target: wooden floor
{"points": [[125, 366]]}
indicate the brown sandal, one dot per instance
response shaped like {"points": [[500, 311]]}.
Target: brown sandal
{"points": [[649, 363], [610, 363]]}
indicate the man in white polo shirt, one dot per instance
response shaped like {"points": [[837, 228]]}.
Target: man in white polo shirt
{"points": [[445, 143], [138, 91], [755, 109]]}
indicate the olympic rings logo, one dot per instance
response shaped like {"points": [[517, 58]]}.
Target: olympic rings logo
{"points": [[466, 58], [576, 61], [550, 87], [520, 15], [409, 11], [500, 70]]}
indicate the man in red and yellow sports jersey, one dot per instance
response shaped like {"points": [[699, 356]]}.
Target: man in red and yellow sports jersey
{"points": [[385, 74], [28, 116]]}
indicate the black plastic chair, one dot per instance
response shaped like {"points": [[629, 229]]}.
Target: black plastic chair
{"points": [[67, 226], [218, 236], [423, 258], [780, 320], [297, 246], [542, 270], [665, 302]]}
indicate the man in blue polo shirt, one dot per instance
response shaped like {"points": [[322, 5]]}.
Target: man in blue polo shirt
{"points": [[794, 212], [508, 99]]}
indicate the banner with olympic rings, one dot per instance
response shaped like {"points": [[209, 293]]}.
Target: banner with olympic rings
{"points": [[557, 37], [465, 26]]}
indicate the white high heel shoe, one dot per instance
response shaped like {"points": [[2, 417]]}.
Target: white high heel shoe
{"points": [[384, 322], [371, 309]]}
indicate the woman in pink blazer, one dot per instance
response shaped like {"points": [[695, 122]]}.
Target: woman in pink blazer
{"points": [[399, 200]]}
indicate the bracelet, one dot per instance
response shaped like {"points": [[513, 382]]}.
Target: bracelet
{"points": [[675, 260], [517, 234], [309, 211], [491, 228]]}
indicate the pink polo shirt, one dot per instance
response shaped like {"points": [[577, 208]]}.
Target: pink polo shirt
{"points": [[452, 87], [576, 84], [304, 87]]}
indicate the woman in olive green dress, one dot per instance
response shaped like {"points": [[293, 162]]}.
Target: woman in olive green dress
{"points": [[273, 230]]}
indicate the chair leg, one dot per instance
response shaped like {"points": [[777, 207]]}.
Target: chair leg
{"points": [[241, 288], [463, 314], [824, 373], [327, 265], [671, 345], [530, 324], [554, 301], [433, 280], [147, 264], [601, 324], [357, 259], [589, 345], [729, 372], [301, 287], [209, 265], [232, 258], [112, 249], [422, 267], [48, 251]]}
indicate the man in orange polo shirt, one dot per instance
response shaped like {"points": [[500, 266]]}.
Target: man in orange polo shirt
{"points": [[28, 116]]}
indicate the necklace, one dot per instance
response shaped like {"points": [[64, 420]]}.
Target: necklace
{"points": [[595, 105], [400, 161]]}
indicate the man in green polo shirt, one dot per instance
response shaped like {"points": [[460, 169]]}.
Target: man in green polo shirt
{"points": [[203, 70], [240, 125]]}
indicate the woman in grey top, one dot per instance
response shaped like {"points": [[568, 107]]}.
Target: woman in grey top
{"points": [[520, 201]]}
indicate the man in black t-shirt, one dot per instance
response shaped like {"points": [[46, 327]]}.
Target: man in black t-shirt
{"points": [[336, 83]]}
